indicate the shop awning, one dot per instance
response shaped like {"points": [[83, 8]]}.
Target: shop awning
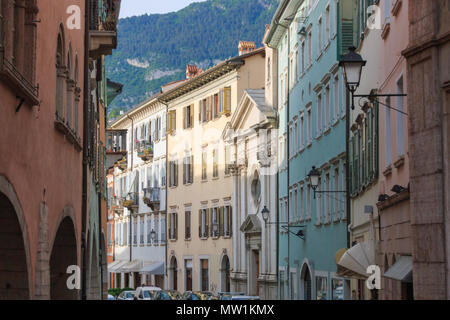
{"points": [[156, 268], [401, 270], [354, 262], [131, 266], [114, 266]]}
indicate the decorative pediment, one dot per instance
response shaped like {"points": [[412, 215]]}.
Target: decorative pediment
{"points": [[251, 224]]}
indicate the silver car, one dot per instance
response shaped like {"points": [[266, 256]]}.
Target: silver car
{"points": [[126, 295]]}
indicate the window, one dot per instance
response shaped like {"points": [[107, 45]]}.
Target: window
{"points": [[337, 198], [301, 204], [327, 107], [173, 226], [188, 170], [296, 67], [319, 115], [319, 37], [171, 124], [327, 23], [173, 174], [187, 224], [309, 127], [204, 165], [188, 119], [163, 230], [215, 226], [319, 204], [388, 138], [303, 58], [157, 230], [308, 202], [400, 120], [227, 159], [321, 288], [135, 231], [295, 204], [227, 225], [149, 230], [203, 223], [296, 144], [336, 98], [337, 289], [141, 230], [204, 274], [215, 163], [327, 198], [309, 49], [60, 79], [215, 106], [188, 275], [163, 174]]}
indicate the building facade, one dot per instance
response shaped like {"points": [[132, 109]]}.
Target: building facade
{"points": [[427, 78], [313, 225], [200, 206], [44, 221], [137, 153]]}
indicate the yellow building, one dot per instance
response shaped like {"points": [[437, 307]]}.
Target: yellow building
{"points": [[200, 185]]}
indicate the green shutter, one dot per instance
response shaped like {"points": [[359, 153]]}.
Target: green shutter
{"points": [[347, 26]]}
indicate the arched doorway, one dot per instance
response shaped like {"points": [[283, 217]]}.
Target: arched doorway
{"points": [[64, 254], [173, 274], [13, 259], [225, 274], [306, 283]]}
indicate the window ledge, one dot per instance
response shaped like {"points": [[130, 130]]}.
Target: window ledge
{"points": [[327, 131], [399, 162], [386, 29], [335, 122], [387, 171], [396, 7]]}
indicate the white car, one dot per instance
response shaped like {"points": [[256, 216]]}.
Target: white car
{"points": [[145, 293]]}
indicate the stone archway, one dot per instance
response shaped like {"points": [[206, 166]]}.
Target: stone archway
{"points": [[14, 265], [64, 254]]}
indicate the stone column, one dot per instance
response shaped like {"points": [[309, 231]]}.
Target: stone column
{"points": [[42, 281]]}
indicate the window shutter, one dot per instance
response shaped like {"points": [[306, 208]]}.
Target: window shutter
{"points": [[170, 226], [184, 118], [208, 219], [200, 112], [227, 100], [200, 223], [191, 115], [176, 225], [347, 26], [175, 182], [230, 220], [191, 170], [184, 171], [221, 226]]}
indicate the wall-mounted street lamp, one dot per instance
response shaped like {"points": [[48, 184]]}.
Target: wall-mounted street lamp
{"points": [[286, 226], [352, 64], [313, 178]]}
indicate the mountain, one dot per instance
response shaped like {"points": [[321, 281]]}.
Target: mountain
{"points": [[154, 49]]}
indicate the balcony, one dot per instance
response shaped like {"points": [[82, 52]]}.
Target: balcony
{"points": [[115, 146], [131, 201], [103, 27], [152, 198], [117, 205], [122, 164], [12, 77], [145, 150]]}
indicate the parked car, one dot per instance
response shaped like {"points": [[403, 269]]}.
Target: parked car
{"points": [[126, 295], [229, 295], [245, 298], [174, 295], [189, 295], [111, 297], [161, 295], [145, 293]]}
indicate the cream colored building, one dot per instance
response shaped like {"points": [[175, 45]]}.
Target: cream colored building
{"points": [[200, 184]]}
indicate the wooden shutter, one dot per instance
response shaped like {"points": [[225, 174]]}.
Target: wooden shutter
{"points": [[191, 170], [227, 100], [200, 223], [191, 115], [175, 173], [176, 225], [230, 220], [208, 224], [170, 226], [347, 26], [184, 117], [184, 171], [221, 220]]}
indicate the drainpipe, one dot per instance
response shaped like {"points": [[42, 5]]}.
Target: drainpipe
{"points": [[85, 150]]}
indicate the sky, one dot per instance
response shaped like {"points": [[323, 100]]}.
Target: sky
{"points": [[139, 7]]}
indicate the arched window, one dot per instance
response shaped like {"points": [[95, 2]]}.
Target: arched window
{"points": [[77, 96], [60, 77], [70, 88]]}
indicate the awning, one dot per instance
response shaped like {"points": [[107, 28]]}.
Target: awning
{"points": [[401, 270], [156, 268], [114, 266], [131, 266], [354, 262]]}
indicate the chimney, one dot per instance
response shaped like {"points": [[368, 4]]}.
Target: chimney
{"points": [[191, 71], [246, 47]]}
